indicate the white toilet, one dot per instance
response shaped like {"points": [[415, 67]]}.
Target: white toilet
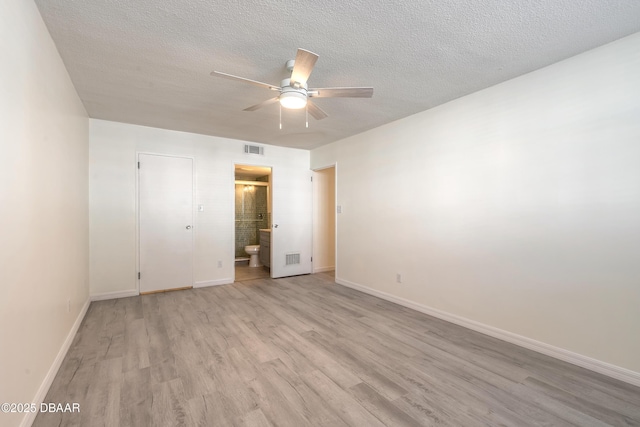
{"points": [[253, 250]]}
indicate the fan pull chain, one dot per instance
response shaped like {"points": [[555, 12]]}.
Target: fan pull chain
{"points": [[307, 115], [280, 116]]}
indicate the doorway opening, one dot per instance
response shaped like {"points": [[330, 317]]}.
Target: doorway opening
{"points": [[324, 220], [252, 222]]}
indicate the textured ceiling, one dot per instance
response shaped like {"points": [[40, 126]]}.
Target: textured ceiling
{"points": [[147, 62]]}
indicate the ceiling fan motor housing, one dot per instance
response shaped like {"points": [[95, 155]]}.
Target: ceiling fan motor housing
{"points": [[286, 84], [293, 97]]}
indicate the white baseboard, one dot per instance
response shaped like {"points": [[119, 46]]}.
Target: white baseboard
{"points": [[323, 269], [133, 293], [217, 282], [30, 417], [114, 295], [595, 365]]}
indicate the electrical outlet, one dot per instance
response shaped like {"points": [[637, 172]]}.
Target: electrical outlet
{"points": [[339, 209], [399, 278], [219, 264]]}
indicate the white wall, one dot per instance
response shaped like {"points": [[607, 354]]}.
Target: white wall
{"points": [[517, 207], [113, 173], [44, 227], [324, 219]]}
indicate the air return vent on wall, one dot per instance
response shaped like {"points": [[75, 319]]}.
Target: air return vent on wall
{"points": [[253, 149], [293, 259]]}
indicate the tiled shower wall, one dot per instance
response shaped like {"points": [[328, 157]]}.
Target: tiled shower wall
{"points": [[251, 215]]}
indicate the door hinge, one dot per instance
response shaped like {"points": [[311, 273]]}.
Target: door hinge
{"points": [[311, 179], [311, 259], [138, 165], [138, 275]]}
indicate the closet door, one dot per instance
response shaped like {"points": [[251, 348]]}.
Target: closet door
{"points": [[165, 212]]}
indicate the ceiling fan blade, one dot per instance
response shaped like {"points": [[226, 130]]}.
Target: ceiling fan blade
{"points": [[242, 79], [315, 111], [303, 66], [341, 92], [262, 104]]}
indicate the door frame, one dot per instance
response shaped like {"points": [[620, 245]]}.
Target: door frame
{"points": [[232, 250], [193, 206], [314, 201]]}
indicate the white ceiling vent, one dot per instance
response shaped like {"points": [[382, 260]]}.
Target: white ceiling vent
{"points": [[293, 258], [253, 149]]}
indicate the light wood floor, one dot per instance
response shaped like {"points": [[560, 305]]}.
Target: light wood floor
{"points": [[304, 351], [244, 272]]}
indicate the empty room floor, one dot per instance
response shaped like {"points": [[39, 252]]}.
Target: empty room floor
{"points": [[304, 351]]}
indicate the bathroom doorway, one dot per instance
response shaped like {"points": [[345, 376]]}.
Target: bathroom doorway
{"points": [[252, 222]]}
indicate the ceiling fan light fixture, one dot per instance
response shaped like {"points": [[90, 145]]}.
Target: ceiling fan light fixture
{"points": [[294, 91], [293, 100]]}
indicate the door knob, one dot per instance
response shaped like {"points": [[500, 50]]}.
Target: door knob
{"points": [[275, 225], [188, 227]]}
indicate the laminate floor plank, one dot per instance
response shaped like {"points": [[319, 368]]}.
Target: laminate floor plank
{"points": [[595, 410], [103, 396], [229, 383], [321, 359], [246, 273], [275, 405], [278, 309], [168, 406], [429, 413], [135, 398], [213, 409], [590, 388], [136, 352], [380, 407], [311, 406], [447, 402], [255, 419], [303, 351], [346, 406], [551, 405], [290, 356], [363, 364], [242, 363]]}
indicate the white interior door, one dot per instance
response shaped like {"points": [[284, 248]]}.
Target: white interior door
{"points": [[165, 203], [291, 222]]}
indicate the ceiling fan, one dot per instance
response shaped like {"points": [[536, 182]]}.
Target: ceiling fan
{"points": [[294, 91]]}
